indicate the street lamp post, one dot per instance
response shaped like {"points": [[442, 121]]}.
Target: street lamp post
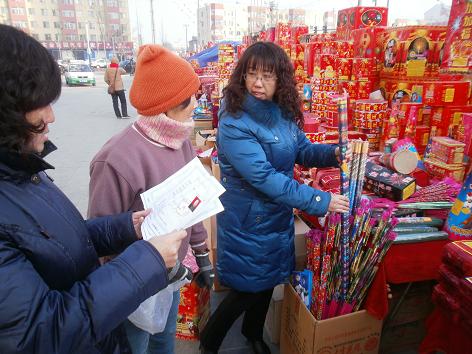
{"points": [[152, 23], [186, 40], [88, 42]]}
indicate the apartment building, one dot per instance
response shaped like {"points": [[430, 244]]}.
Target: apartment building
{"points": [[69, 27], [217, 22]]}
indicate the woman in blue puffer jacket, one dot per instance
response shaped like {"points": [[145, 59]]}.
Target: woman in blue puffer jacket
{"points": [[259, 141], [54, 296]]}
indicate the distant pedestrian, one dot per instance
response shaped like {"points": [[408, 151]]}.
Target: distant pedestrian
{"points": [[116, 89]]}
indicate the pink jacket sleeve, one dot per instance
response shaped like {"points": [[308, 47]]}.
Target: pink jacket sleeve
{"points": [[109, 192]]}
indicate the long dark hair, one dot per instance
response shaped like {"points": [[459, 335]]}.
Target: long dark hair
{"points": [[272, 58], [29, 79]]}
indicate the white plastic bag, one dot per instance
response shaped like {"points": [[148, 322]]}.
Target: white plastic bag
{"points": [[151, 315]]}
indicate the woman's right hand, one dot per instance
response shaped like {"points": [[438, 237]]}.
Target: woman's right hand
{"points": [[168, 246], [338, 204]]}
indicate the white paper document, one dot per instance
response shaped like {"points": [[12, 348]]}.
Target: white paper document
{"points": [[187, 197]]}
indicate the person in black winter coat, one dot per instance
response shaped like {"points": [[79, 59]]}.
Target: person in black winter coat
{"points": [[54, 296]]}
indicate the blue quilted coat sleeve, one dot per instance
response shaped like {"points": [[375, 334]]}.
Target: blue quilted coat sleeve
{"points": [[245, 153], [314, 155], [34, 317], [111, 234]]}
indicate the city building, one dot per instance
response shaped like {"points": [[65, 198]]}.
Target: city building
{"points": [[217, 22], [438, 15], [69, 27], [330, 20]]}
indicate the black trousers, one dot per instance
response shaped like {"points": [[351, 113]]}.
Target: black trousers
{"points": [[254, 306], [121, 95]]}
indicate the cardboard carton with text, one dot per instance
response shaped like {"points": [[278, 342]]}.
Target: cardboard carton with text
{"points": [[357, 332]]}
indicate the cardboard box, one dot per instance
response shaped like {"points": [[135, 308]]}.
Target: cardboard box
{"points": [[205, 138], [274, 315], [200, 124], [301, 334], [387, 183]]}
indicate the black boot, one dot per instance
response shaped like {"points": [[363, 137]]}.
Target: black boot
{"points": [[259, 347]]}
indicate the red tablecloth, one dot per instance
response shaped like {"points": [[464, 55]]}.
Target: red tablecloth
{"points": [[443, 335], [403, 263]]}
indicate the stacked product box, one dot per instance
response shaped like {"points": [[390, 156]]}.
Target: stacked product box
{"points": [[359, 17], [412, 52], [446, 158]]}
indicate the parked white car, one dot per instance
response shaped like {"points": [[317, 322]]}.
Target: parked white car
{"points": [[79, 74], [99, 63]]}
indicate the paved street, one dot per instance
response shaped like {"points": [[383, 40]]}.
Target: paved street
{"points": [[85, 120]]}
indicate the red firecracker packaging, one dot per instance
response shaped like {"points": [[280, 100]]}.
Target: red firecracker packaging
{"points": [[194, 311], [309, 58], [447, 150], [441, 170], [283, 33], [412, 52], [324, 65], [447, 119], [457, 55], [360, 17], [344, 49], [368, 42], [364, 88], [404, 113], [343, 28], [441, 93], [344, 68], [312, 123], [262, 35], [421, 138], [297, 52], [297, 33], [363, 69], [464, 134], [351, 88], [270, 34]]}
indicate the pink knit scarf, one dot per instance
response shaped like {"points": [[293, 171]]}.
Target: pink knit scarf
{"points": [[164, 130]]}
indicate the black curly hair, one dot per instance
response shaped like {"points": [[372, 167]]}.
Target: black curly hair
{"points": [[29, 79], [272, 58]]}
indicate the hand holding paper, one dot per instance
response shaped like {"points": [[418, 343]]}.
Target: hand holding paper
{"points": [[187, 197]]}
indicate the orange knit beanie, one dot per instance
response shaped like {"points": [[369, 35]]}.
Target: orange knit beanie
{"points": [[162, 81]]}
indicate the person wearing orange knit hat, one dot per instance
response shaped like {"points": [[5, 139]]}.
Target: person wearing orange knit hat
{"points": [[146, 153]]}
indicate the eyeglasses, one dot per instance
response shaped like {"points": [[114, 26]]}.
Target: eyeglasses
{"points": [[265, 78]]}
